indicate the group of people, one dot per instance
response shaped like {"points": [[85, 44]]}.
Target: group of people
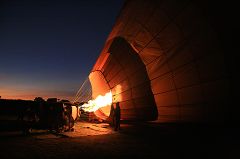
{"points": [[58, 116], [46, 115]]}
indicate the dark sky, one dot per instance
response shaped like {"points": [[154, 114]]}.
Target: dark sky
{"points": [[47, 47]]}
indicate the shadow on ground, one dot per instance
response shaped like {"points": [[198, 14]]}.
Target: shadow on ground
{"points": [[134, 140]]}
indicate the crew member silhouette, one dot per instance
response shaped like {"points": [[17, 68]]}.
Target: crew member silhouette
{"points": [[117, 116]]}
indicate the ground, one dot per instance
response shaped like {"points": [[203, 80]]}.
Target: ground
{"points": [[134, 140]]}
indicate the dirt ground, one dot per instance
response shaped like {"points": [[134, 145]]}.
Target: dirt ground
{"points": [[134, 140]]}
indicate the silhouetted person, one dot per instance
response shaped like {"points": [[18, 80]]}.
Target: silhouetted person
{"points": [[112, 112], [51, 115], [117, 116], [58, 117], [28, 119], [68, 118], [41, 112]]}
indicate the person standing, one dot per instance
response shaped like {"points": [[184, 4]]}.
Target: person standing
{"points": [[117, 116], [70, 121], [112, 116]]}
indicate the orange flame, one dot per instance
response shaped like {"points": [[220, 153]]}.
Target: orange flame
{"points": [[99, 102]]}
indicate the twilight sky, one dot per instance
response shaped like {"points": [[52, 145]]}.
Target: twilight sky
{"points": [[48, 47]]}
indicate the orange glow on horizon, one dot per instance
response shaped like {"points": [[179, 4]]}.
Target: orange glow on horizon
{"points": [[30, 95]]}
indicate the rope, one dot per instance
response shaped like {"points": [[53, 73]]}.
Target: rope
{"points": [[84, 93]]}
